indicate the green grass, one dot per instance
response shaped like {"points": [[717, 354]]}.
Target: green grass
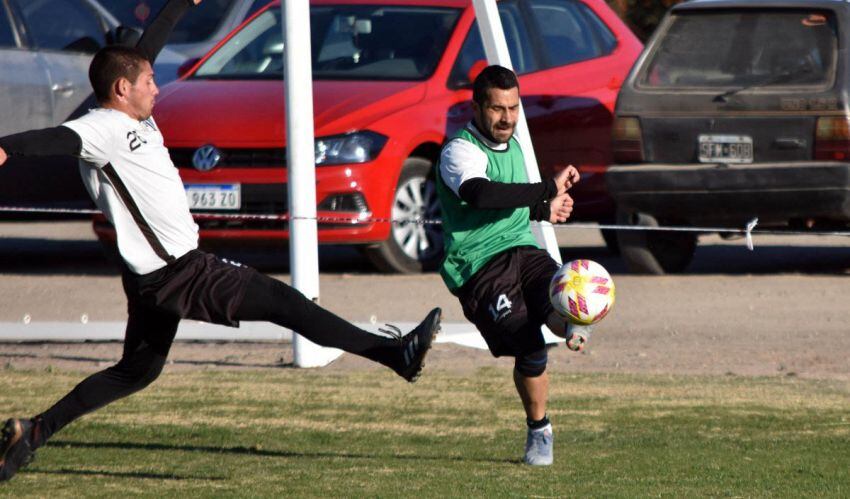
{"points": [[309, 433]]}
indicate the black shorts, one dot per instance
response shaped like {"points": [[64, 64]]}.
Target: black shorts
{"points": [[508, 300], [197, 286]]}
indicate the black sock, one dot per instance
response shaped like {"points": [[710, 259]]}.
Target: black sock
{"points": [[536, 425]]}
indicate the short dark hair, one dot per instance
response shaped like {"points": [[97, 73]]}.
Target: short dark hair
{"points": [[492, 77], [111, 63]]}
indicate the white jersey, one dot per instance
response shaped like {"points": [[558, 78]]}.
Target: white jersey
{"points": [[129, 174]]}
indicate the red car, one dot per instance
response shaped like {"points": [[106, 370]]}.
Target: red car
{"points": [[391, 82]]}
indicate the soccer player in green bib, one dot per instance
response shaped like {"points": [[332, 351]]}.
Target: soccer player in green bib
{"points": [[493, 263]]}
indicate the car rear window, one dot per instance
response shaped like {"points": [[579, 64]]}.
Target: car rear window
{"points": [[747, 48], [348, 42]]}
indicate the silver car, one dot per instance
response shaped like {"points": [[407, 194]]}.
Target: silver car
{"points": [[45, 50], [194, 35]]}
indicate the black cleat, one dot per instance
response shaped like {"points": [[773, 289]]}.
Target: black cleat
{"points": [[15, 447], [415, 345]]}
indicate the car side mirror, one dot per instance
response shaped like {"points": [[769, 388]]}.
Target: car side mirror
{"points": [[184, 68], [124, 35]]}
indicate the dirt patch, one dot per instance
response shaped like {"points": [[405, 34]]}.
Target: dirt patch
{"points": [[777, 311]]}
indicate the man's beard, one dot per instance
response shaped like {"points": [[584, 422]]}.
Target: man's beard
{"points": [[509, 131], [485, 131]]}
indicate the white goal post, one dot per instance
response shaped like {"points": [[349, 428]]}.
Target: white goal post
{"points": [[301, 171]]}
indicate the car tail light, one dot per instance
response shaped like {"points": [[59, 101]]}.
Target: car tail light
{"points": [[628, 141], [832, 138]]}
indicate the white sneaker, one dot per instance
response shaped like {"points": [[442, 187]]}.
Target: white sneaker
{"points": [[538, 446], [577, 336]]}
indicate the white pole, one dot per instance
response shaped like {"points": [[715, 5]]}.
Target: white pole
{"points": [[301, 167], [496, 49]]}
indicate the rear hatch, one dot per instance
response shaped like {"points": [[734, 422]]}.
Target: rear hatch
{"points": [[736, 85]]}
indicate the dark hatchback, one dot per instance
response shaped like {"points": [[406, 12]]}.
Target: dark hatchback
{"points": [[735, 110]]}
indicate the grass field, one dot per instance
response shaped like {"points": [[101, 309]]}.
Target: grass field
{"points": [[310, 434]]}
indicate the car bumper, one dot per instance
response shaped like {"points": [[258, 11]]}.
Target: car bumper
{"points": [[265, 192], [773, 192], [343, 230]]}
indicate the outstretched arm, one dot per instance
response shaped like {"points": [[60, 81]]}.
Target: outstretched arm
{"points": [[547, 200], [464, 169], [483, 193], [160, 29], [57, 141]]}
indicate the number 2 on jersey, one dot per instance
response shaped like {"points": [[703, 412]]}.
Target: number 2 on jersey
{"points": [[135, 141]]}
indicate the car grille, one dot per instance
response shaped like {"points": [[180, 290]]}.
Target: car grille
{"points": [[234, 158]]}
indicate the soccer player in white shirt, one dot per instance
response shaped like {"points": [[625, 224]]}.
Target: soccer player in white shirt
{"points": [[129, 174]]}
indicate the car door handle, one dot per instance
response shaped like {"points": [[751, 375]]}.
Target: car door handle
{"points": [[790, 143], [65, 89]]}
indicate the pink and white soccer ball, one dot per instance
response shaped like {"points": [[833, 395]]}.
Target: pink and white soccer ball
{"points": [[582, 292]]}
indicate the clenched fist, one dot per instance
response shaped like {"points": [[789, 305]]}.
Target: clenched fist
{"points": [[566, 178], [560, 208]]}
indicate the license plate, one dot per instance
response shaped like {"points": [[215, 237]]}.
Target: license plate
{"points": [[725, 149], [214, 196]]}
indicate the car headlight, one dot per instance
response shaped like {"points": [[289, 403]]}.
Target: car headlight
{"points": [[357, 147]]}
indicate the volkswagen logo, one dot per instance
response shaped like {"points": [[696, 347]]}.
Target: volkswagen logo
{"points": [[206, 158]]}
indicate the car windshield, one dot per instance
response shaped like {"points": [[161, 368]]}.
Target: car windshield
{"points": [[197, 27], [350, 42], [746, 49]]}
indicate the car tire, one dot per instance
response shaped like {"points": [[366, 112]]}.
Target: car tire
{"points": [[654, 252], [411, 248]]}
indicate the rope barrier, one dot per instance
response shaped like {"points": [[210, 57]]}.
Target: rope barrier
{"points": [[747, 231]]}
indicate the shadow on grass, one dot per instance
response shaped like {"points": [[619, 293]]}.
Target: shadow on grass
{"points": [[118, 474], [98, 360], [252, 451]]}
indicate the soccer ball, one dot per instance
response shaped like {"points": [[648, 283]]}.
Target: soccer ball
{"points": [[582, 292]]}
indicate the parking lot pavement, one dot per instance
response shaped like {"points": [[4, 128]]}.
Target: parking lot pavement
{"points": [[779, 309], [57, 272]]}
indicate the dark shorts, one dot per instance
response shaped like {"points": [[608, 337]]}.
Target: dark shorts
{"points": [[508, 300], [197, 286]]}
